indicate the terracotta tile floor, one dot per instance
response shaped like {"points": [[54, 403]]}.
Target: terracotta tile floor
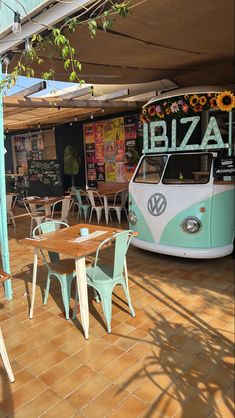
{"points": [[175, 359]]}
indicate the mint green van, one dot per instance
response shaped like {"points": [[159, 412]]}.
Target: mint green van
{"points": [[181, 196]]}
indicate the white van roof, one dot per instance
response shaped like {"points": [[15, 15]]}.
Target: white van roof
{"points": [[186, 90]]}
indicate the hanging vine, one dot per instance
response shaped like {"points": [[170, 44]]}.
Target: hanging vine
{"points": [[103, 13]]}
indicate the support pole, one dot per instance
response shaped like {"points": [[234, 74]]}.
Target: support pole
{"points": [[3, 206]]}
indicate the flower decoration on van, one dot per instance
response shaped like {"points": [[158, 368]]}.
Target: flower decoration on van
{"points": [[188, 105]]}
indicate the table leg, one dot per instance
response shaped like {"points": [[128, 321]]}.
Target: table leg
{"points": [[48, 210], [106, 209], [82, 293], [34, 280]]}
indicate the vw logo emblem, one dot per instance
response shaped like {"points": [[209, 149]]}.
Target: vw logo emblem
{"points": [[157, 204]]}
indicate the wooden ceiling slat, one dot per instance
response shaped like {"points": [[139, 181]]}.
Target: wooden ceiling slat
{"points": [[62, 103]]}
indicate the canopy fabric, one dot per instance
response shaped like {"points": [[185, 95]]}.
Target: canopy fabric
{"points": [[190, 42]]}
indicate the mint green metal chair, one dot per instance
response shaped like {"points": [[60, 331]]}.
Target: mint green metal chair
{"points": [[104, 278], [63, 270], [82, 207]]}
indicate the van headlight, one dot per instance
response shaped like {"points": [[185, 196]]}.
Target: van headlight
{"points": [[132, 217], [191, 225]]}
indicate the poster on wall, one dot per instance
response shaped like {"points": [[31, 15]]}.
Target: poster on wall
{"points": [[99, 131], [91, 175], [119, 151], [90, 153], [110, 171], [28, 147], [100, 170], [108, 130], [118, 129], [99, 152], [130, 127], [139, 129], [89, 133], [120, 172], [109, 151]]}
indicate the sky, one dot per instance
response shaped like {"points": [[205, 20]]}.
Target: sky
{"points": [[24, 82]]}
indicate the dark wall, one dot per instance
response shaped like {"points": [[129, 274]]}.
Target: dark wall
{"points": [[8, 155], [70, 135]]}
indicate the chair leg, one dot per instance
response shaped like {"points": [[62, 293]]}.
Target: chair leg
{"points": [[98, 215], [118, 212], [5, 358], [91, 215], [31, 227], [97, 296], [65, 283], [126, 291], [107, 308], [85, 212], [12, 218], [47, 289], [75, 303]]}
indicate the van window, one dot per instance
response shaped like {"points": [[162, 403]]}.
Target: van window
{"points": [[151, 169], [188, 169]]}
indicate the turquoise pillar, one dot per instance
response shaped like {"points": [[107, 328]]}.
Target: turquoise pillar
{"points": [[3, 211]]}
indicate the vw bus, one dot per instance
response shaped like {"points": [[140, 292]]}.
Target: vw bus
{"points": [[181, 196]]}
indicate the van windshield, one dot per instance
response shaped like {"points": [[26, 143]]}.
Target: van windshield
{"points": [[188, 169], [151, 169]]}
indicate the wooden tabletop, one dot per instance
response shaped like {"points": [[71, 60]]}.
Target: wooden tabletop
{"points": [[62, 241], [43, 201]]}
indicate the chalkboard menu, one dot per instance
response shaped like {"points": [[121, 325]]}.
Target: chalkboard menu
{"points": [[45, 178]]}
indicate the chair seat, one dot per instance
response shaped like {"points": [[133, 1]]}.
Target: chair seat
{"points": [[39, 215], [66, 266], [104, 274]]}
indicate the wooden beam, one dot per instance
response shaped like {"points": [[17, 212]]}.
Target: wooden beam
{"points": [[61, 103], [31, 90], [114, 95], [77, 93]]}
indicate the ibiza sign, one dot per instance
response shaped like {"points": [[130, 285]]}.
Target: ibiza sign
{"points": [[162, 137]]}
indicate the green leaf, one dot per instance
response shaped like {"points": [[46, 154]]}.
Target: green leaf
{"points": [[73, 76], [71, 160]]}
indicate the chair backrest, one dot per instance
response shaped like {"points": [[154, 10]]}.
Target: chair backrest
{"points": [[66, 204], [45, 228], [121, 198], [124, 197], [9, 198], [121, 242], [91, 195], [77, 193]]}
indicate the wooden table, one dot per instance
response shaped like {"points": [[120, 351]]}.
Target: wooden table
{"points": [[46, 202], [62, 242]]}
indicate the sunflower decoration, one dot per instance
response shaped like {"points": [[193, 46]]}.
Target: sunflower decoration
{"points": [[143, 119], [202, 100], [194, 100], [197, 108], [213, 103], [225, 100]]}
